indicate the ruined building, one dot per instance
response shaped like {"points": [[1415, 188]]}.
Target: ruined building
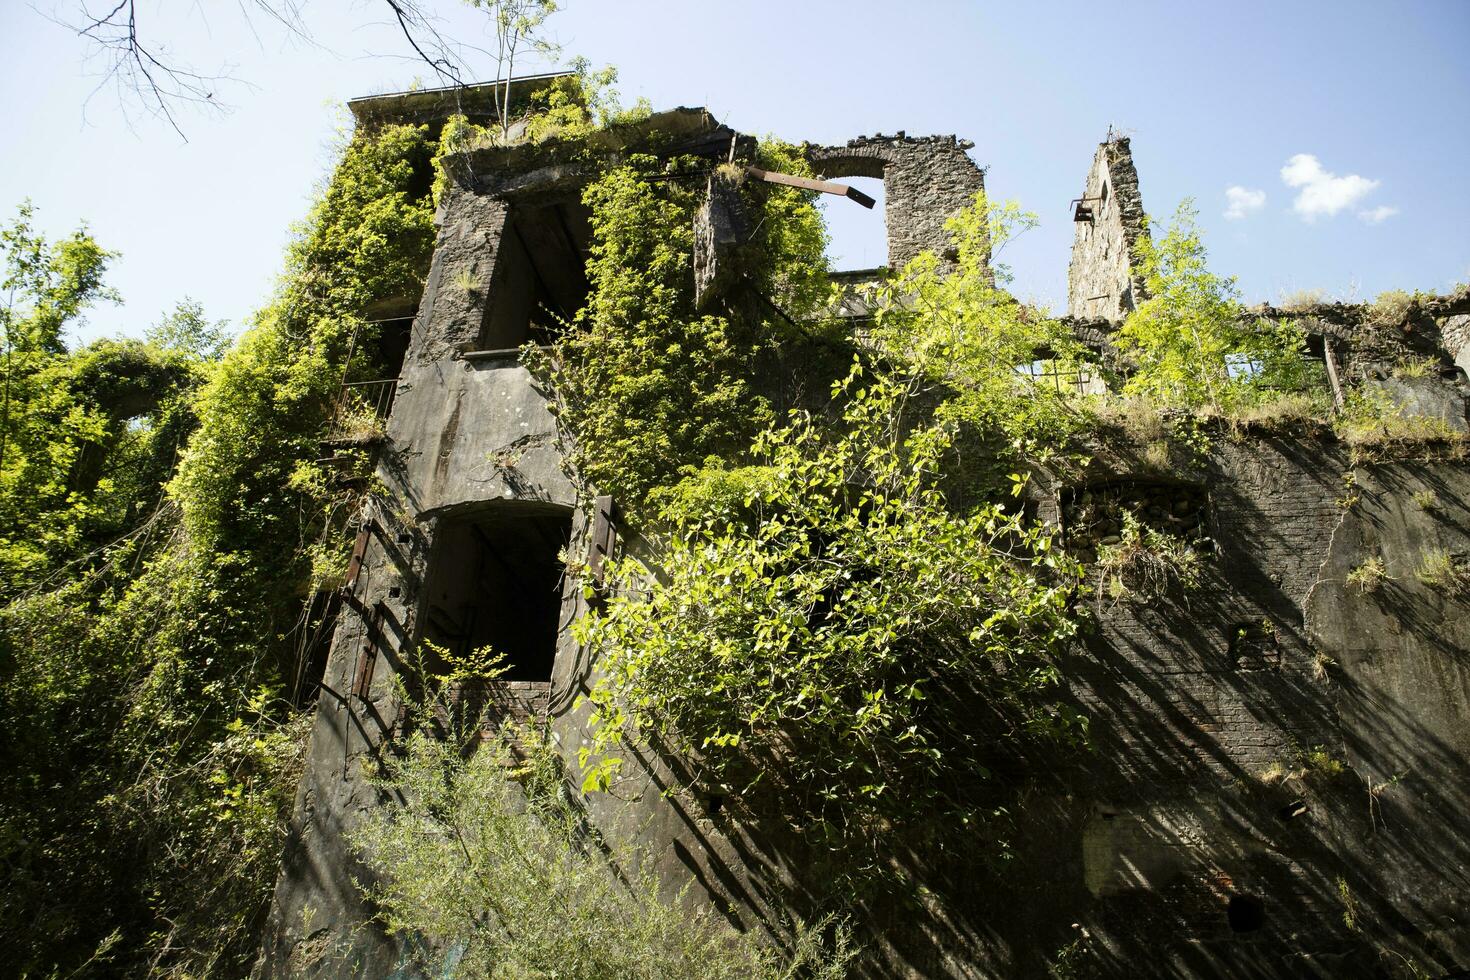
{"points": [[1170, 855]]}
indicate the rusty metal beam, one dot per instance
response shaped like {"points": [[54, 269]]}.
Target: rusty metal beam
{"points": [[808, 184]]}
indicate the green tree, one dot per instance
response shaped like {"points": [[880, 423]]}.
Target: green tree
{"points": [[828, 629], [46, 287], [1190, 343]]}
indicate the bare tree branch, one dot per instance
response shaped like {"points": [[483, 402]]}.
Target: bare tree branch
{"points": [[149, 76]]}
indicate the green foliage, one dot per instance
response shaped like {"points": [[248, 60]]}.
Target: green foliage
{"points": [[485, 861], [828, 625], [1416, 367], [1190, 345], [1349, 904], [973, 345], [1316, 764], [1368, 576], [567, 110], [47, 285], [1376, 427], [517, 27], [367, 240], [1146, 561], [1391, 305], [642, 384], [1445, 572], [576, 106], [147, 635], [824, 637]]}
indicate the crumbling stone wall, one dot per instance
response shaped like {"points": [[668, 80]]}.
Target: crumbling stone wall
{"points": [[1196, 838], [1457, 339], [1100, 281], [925, 181]]}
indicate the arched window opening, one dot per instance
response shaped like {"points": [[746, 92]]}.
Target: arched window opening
{"points": [[859, 236]]}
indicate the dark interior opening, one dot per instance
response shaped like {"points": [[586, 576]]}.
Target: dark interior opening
{"points": [[1092, 515], [1245, 913], [495, 580], [392, 344], [540, 275], [1292, 810], [315, 645], [1254, 646]]}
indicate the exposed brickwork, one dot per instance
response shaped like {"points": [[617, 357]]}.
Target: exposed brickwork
{"points": [[925, 181]]}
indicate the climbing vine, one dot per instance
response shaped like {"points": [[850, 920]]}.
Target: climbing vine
{"points": [[825, 626], [642, 383], [153, 754]]}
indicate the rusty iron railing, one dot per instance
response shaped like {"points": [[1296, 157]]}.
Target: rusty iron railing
{"points": [[361, 411]]}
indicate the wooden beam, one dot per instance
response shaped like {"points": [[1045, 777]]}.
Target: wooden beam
{"points": [[808, 184]]}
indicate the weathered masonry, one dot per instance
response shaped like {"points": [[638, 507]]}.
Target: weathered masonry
{"points": [[1165, 853]]}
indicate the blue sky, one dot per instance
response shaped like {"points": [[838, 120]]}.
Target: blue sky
{"points": [[1341, 125]]}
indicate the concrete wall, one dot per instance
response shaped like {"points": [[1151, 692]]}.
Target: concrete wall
{"points": [[1100, 280], [465, 435]]}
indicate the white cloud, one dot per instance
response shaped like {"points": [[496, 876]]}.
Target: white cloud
{"points": [[1240, 201], [1322, 192], [1378, 215]]}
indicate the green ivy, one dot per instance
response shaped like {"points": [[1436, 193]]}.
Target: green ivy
{"points": [[153, 759], [642, 383], [825, 628]]}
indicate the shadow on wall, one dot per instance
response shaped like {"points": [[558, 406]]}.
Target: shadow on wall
{"points": [[1232, 819]]}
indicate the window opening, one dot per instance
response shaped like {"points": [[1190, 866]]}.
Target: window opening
{"points": [[392, 344], [1292, 810], [1254, 646], [1077, 378], [1245, 913], [1093, 516], [495, 579], [1242, 367], [540, 275], [857, 237]]}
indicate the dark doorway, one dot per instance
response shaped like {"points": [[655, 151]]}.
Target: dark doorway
{"points": [[495, 579]]}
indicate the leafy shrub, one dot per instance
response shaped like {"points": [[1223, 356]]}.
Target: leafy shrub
{"points": [[1368, 575], [1416, 367], [1446, 572], [1390, 306], [487, 867], [971, 346], [1190, 344], [819, 638], [815, 623], [1375, 427], [1147, 561]]}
